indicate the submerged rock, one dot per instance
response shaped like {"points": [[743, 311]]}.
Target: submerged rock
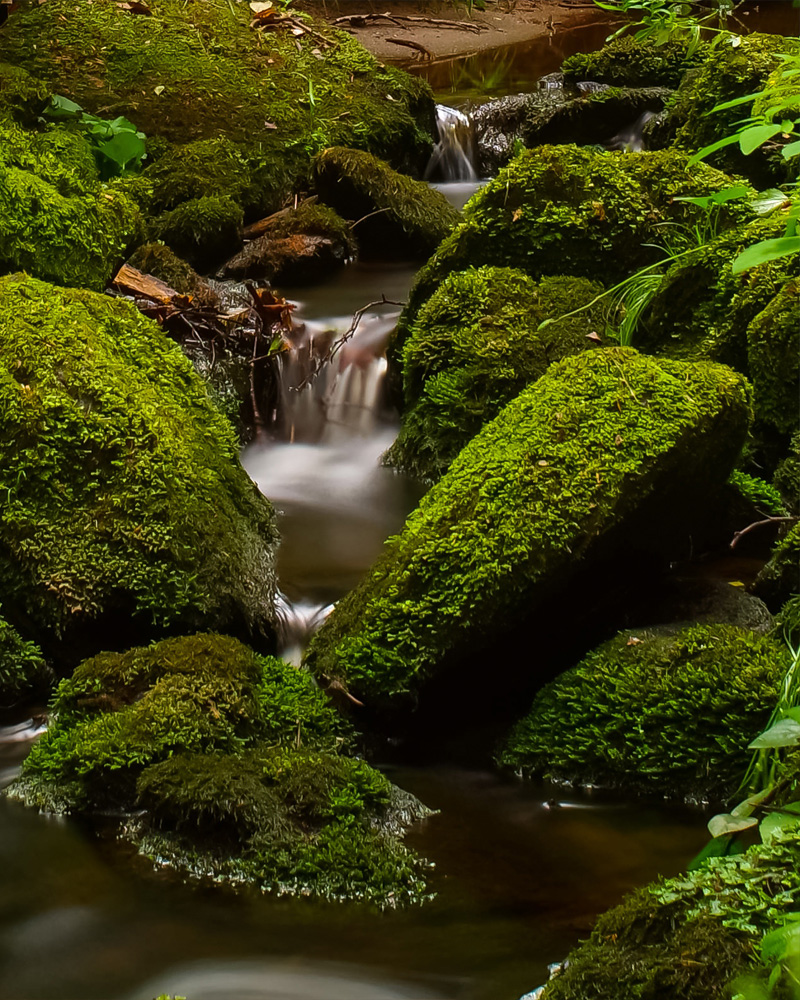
{"points": [[56, 220], [607, 449], [392, 215], [658, 711], [127, 512], [474, 347], [236, 761]]}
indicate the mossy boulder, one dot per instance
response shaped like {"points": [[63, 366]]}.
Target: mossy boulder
{"points": [[126, 509], [296, 247], [773, 357], [22, 97], [206, 72], [787, 475], [568, 210], [734, 67], [602, 447], [690, 936], [779, 580], [57, 221], [202, 231], [24, 673], [659, 711], [236, 761], [474, 347], [627, 62], [407, 217]]}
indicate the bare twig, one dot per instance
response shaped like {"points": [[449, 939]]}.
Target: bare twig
{"points": [[759, 524], [426, 53], [378, 211], [363, 20]]}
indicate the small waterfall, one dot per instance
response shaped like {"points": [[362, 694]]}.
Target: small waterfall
{"points": [[297, 622], [454, 156], [631, 139]]}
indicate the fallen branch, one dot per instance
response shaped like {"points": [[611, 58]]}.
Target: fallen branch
{"points": [[426, 53], [759, 524], [364, 20]]}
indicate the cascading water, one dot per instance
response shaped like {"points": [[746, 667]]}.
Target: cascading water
{"points": [[453, 156]]}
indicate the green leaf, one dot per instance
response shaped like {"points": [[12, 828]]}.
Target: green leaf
{"points": [[775, 823], [791, 150], [756, 136], [708, 150], [767, 201], [720, 847], [61, 107], [734, 103], [724, 823], [757, 254], [785, 733], [782, 943], [123, 148], [746, 807]]}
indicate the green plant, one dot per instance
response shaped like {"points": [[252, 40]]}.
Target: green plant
{"points": [[118, 147], [661, 21]]}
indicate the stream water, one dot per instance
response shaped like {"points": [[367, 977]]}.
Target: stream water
{"points": [[521, 869]]}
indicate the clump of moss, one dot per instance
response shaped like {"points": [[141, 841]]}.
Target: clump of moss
{"points": [[406, 216], [787, 475], [21, 96], [569, 210], [760, 495], [773, 356], [125, 503], [787, 621], [56, 220], [626, 62], [525, 503], [157, 259], [201, 230], [779, 580], [656, 711], [474, 347], [24, 672]]}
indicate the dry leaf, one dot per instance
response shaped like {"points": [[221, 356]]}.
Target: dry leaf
{"points": [[593, 336], [517, 214]]}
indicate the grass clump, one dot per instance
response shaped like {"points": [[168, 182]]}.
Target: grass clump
{"points": [[407, 216], [526, 501], [474, 347], [125, 504], [656, 711]]}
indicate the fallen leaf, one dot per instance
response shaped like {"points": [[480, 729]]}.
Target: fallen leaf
{"points": [[633, 641], [593, 336], [269, 125], [159, 90], [134, 6], [517, 214], [298, 31], [260, 6]]}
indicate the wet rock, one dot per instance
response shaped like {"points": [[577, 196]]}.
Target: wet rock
{"points": [[127, 511], [475, 346], [297, 247], [234, 766], [391, 215], [602, 448], [654, 710], [499, 125]]}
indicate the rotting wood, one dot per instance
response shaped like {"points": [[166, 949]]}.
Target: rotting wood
{"points": [[364, 20], [261, 226]]}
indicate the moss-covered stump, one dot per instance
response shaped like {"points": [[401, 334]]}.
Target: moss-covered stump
{"points": [[126, 511], [657, 711], [474, 347], [728, 72], [779, 580], [626, 62], [406, 217], [235, 760], [567, 210], [296, 247], [24, 674], [690, 936], [205, 72], [56, 220], [602, 448]]}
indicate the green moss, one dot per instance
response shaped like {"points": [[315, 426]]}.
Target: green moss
{"points": [[658, 711], [787, 475], [122, 487], [568, 210], [23, 670], [56, 220], [787, 621], [201, 230], [201, 72], [158, 260], [407, 216], [625, 62], [21, 96], [729, 72], [779, 580], [526, 501], [758, 494], [314, 220], [773, 355], [474, 347]]}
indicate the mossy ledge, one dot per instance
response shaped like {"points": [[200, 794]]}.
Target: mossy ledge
{"points": [[126, 511], [594, 447], [235, 766], [659, 711]]}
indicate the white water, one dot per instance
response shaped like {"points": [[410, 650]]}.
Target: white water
{"points": [[454, 155]]}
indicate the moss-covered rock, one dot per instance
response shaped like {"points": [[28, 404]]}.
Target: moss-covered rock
{"points": [[567, 210], [21, 96], [626, 62], [236, 761], [202, 230], [474, 347], [297, 246], [657, 711], [787, 621], [730, 71], [779, 580], [406, 216], [787, 476], [56, 220], [204, 72], [601, 438], [125, 507], [688, 936], [24, 673], [158, 260], [773, 356]]}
